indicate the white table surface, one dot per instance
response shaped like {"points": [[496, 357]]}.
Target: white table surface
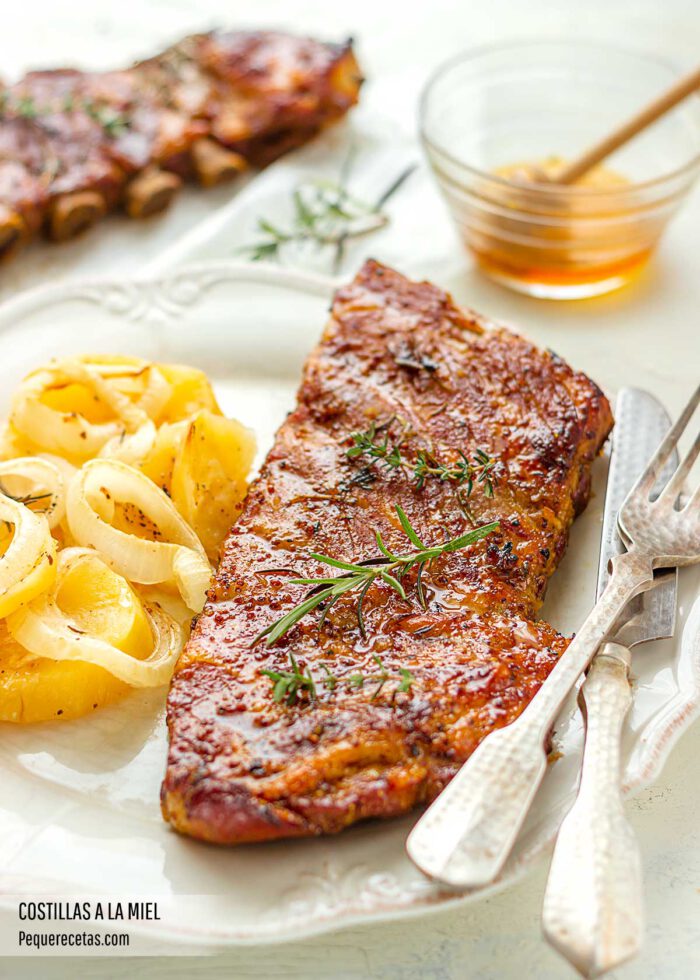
{"points": [[500, 937]]}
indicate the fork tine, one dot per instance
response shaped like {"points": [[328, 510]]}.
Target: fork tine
{"points": [[675, 485], [646, 482], [693, 503]]}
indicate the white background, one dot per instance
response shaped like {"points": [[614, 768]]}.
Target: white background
{"points": [[500, 937]]}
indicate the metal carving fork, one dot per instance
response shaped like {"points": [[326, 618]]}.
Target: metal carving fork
{"points": [[466, 835]]}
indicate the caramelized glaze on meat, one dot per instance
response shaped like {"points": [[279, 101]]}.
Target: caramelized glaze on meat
{"points": [[244, 768]]}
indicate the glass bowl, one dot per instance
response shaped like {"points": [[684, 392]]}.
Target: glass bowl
{"points": [[523, 102]]}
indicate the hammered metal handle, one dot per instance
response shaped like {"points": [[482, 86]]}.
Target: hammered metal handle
{"points": [[467, 833], [593, 902], [464, 838]]}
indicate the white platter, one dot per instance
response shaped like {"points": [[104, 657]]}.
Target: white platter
{"points": [[79, 801]]}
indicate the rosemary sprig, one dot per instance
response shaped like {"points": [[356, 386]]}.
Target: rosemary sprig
{"points": [[358, 577], [464, 472], [325, 214], [25, 499], [288, 684]]}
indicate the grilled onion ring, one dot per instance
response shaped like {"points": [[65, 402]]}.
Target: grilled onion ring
{"points": [[28, 567], [69, 433], [177, 558], [45, 630], [43, 481]]}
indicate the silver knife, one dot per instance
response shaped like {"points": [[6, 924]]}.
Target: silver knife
{"points": [[593, 910]]}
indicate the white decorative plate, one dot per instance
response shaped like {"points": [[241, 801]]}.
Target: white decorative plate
{"points": [[79, 801]]}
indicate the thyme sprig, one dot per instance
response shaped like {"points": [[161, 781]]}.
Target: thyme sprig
{"points": [[289, 684], [464, 472], [324, 214], [405, 680], [359, 577], [376, 448]]}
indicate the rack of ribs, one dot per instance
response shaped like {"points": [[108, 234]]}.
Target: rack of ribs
{"points": [[74, 145], [243, 767]]}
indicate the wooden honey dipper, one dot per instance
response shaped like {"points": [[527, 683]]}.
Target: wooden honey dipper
{"points": [[576, 169]]}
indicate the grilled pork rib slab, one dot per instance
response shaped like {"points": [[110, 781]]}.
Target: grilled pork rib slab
{"points": [[74, 145], [242, 767]]}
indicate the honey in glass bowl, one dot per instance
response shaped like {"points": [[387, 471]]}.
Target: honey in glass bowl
{"points": [[489, 119], [565, 257]]}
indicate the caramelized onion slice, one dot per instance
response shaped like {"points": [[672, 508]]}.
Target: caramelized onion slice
{"points": [[169, 603], [45, 630], [131, 449], [36, 482], [172, 555], [11, 442], [69, 433], [28, 566], [143, 382]]}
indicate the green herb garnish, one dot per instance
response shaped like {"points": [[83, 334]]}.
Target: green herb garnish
{"points": [[25, 499], [114, 123], [359, 577], [26, 107], [325, 214], [377, 449], [465, 472], [288, 684]]}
